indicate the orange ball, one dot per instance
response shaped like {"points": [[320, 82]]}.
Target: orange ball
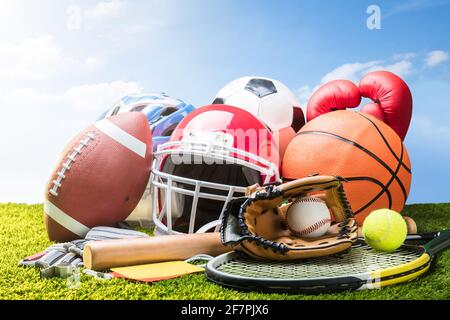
{"points": [[358, 147]]}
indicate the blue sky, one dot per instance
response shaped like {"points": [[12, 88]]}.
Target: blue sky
{"points": [[63, 62]]}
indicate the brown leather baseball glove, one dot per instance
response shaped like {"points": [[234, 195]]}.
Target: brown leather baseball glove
{"points": [[256, 224]]}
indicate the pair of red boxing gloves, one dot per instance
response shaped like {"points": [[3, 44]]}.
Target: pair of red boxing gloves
{"points": [[390, 95]]}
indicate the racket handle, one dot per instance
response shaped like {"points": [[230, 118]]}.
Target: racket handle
{"points": [[418, 237], [425, 236], [441, 242]]}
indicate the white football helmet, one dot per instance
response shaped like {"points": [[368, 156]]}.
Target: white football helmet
{"points": [[214, 154]]}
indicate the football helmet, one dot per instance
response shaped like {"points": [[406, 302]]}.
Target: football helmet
{"points": [[213, 155], [163, 112]]}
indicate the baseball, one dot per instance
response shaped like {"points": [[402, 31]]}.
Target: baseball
{"points": [[308, 217]]}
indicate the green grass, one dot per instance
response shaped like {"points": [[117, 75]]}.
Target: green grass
{"points": [[22, 233]]}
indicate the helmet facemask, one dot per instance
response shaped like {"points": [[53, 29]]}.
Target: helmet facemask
{"points": [[193, 182]]}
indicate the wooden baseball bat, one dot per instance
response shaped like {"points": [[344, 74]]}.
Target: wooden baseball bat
{"points": [[102, 255]]}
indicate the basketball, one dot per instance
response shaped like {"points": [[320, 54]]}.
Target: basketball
{"points": [[358, 147]]}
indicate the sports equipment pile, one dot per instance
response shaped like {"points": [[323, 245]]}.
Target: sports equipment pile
{"points": [[274, 201]]}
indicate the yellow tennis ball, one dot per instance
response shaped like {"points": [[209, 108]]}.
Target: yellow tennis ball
{"points": [[384, 230]]}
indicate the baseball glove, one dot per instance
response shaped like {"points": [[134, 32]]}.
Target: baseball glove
{"points": [[256, 224]]}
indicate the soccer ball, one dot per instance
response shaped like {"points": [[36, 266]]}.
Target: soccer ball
{"points": [[270, 101]]}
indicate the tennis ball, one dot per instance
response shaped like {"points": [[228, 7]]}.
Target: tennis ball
{"points": [[384, 230]]}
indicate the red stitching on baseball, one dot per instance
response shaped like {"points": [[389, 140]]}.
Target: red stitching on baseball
{"points": [[314, 227], [309, 199]]}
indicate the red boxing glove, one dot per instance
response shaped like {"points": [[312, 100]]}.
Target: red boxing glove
{"points": [[392, 100], [332, 96]]}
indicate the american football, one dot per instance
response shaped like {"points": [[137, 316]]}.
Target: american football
{"points": [[100, 177]]}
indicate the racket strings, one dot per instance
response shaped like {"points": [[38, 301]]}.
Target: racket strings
{"points": [[357, 261]]}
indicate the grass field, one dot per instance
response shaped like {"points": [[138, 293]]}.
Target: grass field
{"points": [[22, 233]]}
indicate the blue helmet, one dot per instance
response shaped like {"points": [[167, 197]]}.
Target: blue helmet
{"points": [[163, 112]]}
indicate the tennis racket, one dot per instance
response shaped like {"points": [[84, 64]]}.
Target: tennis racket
{"points": [[359, 268]]}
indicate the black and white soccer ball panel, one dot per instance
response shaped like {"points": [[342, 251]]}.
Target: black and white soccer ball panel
{"points": [[269, 100]]}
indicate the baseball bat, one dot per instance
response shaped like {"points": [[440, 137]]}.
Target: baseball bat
{"points": [[107, 254]]}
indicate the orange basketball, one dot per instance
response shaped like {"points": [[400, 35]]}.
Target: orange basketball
{"points": [[360, 148]]}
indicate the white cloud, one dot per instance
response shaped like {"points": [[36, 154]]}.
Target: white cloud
{"points": [[99, 95], [118, 21], [401, 64], [105, 9], [436, 57], [401, 68], [88, 98], [91, 62], [37, 59], [355, 71], [34, 58], [349, 71]]}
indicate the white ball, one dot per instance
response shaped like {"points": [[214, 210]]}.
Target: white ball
{"points": [[269, 100], [308, 217]]}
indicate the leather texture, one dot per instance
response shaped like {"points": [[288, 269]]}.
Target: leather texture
{"points": [[256, 224], [391, 99], [103, 183]]}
